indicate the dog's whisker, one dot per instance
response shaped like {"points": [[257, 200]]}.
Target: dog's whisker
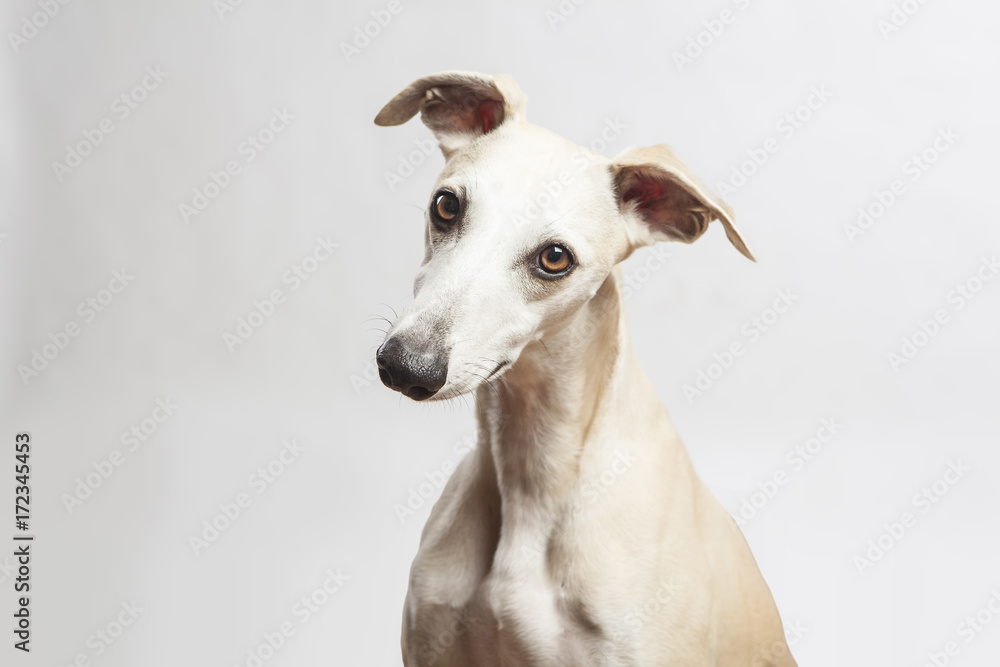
{"points": [[379, 317], [486, 382], [394, 313], [499, 378]]}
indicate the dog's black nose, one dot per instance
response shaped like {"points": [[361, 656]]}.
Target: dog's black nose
{"points": [[414, 373]]}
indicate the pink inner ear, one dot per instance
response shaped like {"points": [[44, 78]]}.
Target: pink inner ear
{"points": [[664, 205], [490, 112], [645, 190]]}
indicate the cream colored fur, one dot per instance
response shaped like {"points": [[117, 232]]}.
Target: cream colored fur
{"points": [[577, 532]]}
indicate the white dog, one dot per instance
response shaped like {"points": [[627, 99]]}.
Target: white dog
{"points": [[577, 532]]}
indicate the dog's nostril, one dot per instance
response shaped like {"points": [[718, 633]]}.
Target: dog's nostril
{"points": [[418, 393], [413, 372]]}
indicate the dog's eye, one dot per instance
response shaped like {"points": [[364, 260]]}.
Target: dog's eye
{"points": [[445, 208], [555, 259]]}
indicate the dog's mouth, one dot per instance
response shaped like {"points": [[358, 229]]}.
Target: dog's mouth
{"points": [[471, 382]]}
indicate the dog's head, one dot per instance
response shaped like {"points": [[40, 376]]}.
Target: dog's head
{"points": [[522, 228]]}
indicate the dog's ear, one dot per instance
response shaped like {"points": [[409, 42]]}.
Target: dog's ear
{"points": [[457, 106], [669, 203]]}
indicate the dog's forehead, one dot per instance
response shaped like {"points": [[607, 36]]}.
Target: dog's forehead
{"points": [[528, 172]]}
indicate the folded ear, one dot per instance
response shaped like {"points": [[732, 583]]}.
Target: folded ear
{"points": [[457, 106], [666, 200]]}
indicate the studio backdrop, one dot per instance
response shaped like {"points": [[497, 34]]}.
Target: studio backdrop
{"points": [[202, 230]]}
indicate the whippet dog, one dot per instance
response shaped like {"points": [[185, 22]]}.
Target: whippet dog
{"points": [[577, 532]]}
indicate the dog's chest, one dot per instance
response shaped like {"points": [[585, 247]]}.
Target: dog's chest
{"points": [[500, 598], [520, 618], [528, 628]]}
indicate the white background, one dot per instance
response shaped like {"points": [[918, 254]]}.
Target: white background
{"points": [[306, 373]]}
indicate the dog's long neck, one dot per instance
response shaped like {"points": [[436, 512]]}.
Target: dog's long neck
{"points": [[537, 420]]}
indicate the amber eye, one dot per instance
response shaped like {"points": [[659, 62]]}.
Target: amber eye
{"points": [[555, 259], [445, 208]]}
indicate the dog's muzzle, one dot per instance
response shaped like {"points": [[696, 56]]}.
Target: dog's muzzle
{"points": [[413, 372]]}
